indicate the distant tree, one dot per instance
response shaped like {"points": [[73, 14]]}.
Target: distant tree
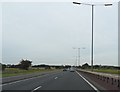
{"points": [[96, 66], [25, 64], [2, 67], [79, 66], [86, 65], [47, 67], [59, 67], [67, 66], [107, 67], [117, 67]]}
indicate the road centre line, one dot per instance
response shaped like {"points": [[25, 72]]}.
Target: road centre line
{"points": [[22, 80], [88, 82]]}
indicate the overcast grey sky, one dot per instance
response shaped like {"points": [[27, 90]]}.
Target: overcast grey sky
{"points": [[46, 33]]}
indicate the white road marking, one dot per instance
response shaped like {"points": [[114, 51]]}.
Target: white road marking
{"points": [[88, 82], [22, 80], [56, 78], [37, 88]]}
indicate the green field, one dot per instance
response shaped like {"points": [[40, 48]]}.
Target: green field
{"points": [[15, 71], [111, 71]]}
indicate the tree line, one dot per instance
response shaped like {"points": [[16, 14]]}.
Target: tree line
{"points": [[26, 64], [87, 66], [23, 64]]}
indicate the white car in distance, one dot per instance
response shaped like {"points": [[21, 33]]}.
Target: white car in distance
{"points": [[72, 69]]}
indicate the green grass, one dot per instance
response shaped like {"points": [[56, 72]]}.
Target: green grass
{"points": [[15, 71], [110, 71]]}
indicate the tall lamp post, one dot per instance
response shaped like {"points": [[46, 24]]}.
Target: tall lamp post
{"points": [[78, 54], [92, 57]]}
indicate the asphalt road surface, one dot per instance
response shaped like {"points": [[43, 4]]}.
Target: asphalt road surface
{"points": [[62, 80]]}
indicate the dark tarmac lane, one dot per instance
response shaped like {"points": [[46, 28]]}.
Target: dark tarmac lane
{"points": [[62, 80]]}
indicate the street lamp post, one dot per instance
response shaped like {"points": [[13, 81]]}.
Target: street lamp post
{"points": [[92, 39], [78, 57], [78, 54], [75, 62], [92, 57]]}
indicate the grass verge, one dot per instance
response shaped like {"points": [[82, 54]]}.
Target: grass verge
{"points": [[15, 71], [110, 71]]}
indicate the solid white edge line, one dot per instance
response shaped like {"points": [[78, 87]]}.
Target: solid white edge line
{"points": [[88, 82], [37, 88]]}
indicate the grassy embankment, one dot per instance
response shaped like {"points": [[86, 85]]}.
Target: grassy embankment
{"points": [[15, 71], [103, 70], [110, 71]]}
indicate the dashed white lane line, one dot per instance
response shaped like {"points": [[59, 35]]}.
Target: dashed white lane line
{"points": [[41, 86], [56, 78], [37, 88], [88, 82]]}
